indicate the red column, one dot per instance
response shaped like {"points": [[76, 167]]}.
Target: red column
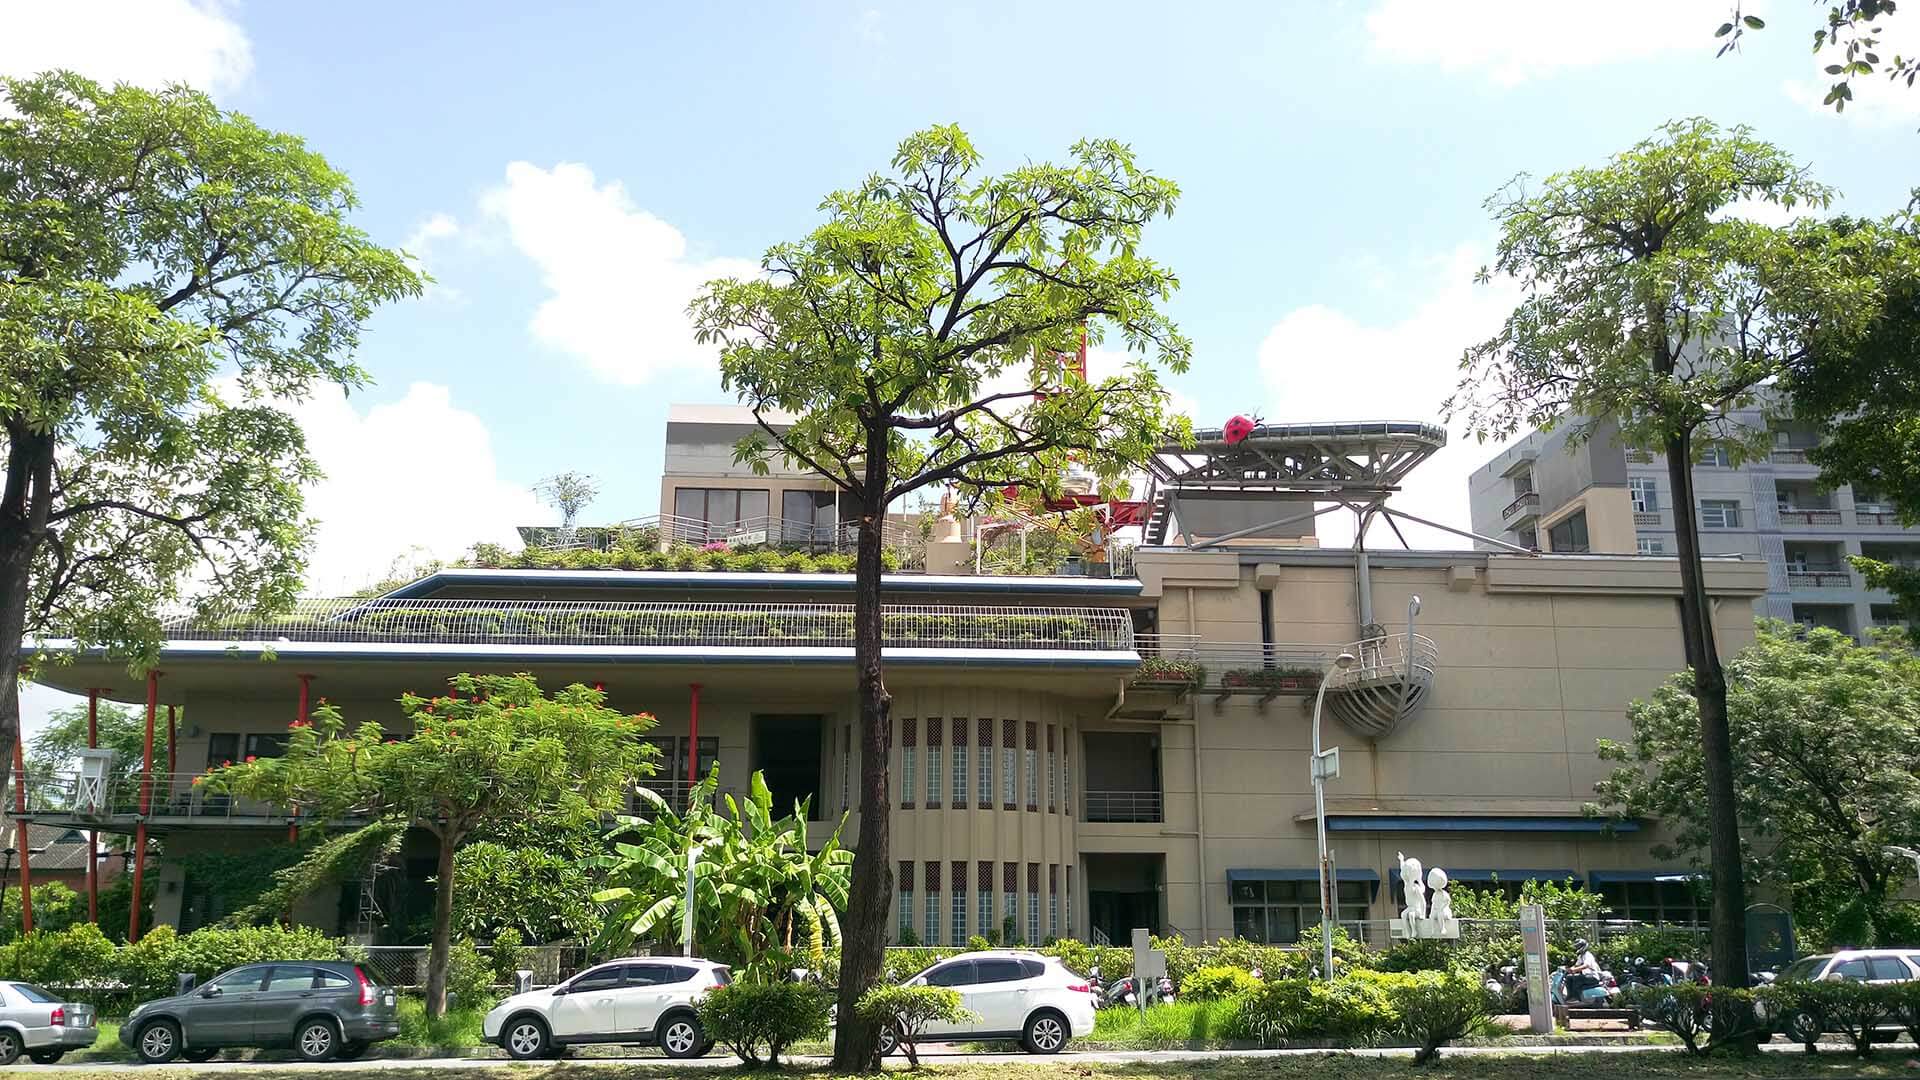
{"points": [[146, 803], [22, 837], [693, 738], [93, 835], [306, 698]]}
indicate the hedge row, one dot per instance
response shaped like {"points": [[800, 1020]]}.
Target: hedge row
{"points": [[762, 560], [81, 961]]}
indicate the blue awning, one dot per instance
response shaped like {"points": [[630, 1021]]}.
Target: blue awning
{"points": [[1308, 874], [1501, 875], [1601, 877], [1460, 823]]}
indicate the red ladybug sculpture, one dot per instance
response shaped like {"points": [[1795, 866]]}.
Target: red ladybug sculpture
{"points": [[1237, 430]]}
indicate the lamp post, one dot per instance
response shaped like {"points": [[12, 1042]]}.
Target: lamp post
{"points": [[1320, 769], [686, 916]]}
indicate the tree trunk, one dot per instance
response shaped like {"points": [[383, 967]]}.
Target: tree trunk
{"points": [[870, 892], [1729, 920], [442, 929], [25, 504]]}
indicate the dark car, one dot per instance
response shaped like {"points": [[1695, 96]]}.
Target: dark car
{"points": [[322, 1009]]}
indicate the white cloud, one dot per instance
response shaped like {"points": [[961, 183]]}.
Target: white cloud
{"points": [[1510, 43], [419, 471], [148, 42], [1322, 364], [419, 246], [1877, 100], [619, 277]]}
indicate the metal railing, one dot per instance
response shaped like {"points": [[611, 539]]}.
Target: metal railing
{"points": [[1122, 807], [405, 966], [1789, 456], [1819, 579], [691, 625], [1809, 517], [1252, 664], [1388, 656], [1876, 517], [173, 795], [1526, 500]]}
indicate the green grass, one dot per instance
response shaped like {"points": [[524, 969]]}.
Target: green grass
{"points": [[457, 1031], [1179, 1023]]}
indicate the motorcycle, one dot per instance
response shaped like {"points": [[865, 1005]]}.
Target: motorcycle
{"points": [[1118, 992], [1570, 989]]}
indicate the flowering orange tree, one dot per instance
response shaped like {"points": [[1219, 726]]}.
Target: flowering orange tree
{"points": [[493, 748]]}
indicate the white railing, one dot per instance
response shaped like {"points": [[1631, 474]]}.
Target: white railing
{"points": [[1819, 579], [172, 795], [1809, 517], [706, 625], [1790, 456], [1647, 517], [1122, 806]]}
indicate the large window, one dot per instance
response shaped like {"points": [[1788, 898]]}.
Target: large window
{"points": [[1719, 513], [670, 776], [1683, 903], [1274, 912], [1570, 534], [960, 775], [720, 509], [227, 747], [933, 774], [906, 901], [909, 775], [1650, 545], [1645, 493], [807, 517], [1717, 456]]}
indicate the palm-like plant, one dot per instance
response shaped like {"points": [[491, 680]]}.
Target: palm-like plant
{"points": [[756, 890]]}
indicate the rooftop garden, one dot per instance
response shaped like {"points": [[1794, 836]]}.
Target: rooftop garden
{"points": [[714, 557]]}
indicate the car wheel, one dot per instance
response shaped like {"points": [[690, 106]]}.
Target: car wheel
{"points": [[524, 1038], [1802, 1028], [1046, 1033], [46, 1057], [352, 1049], [316, 1040], [158, 1042], [682, 1036], [200, 1055], [889, 1040]]}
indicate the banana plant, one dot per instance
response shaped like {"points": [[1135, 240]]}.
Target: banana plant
{"points": [[757, 891]]}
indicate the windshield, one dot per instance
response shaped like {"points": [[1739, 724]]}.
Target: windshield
{"points": [[34, 994], [1804, 967]]}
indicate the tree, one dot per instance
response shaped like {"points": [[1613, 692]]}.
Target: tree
{"points": [[495, 747], [168, 272], [1643, 304], [1852, 29], [757, 893], [540, 893], [56, 749], [1826, 739], [884, 332], [569, 492]]}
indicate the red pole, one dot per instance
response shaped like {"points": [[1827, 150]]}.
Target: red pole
{"points": [[293, 824], [693, 739], [93, 835], [146, 803], [21, 836]]}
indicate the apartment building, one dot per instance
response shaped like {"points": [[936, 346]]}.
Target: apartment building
{"points": [[1553, 492], [1121, 742]]}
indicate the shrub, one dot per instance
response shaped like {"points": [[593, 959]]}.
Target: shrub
{"points": [[55, 907], [978, 943], [1217, 983], [759, 1020], [75, 957], [469, 976], [1435, 1008], [1853, 1009], [907, 938], [1352, 1009], [509, 956], [1681, 1009], [909, 1009], [1905, 1000]]}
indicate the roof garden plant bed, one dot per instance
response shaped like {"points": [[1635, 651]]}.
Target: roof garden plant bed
{"points": [[1170, 671], [712, 559], [1270, 678]]}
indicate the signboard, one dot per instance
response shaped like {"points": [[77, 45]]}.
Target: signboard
{"points": [[1533, 946], [1149, 963]]}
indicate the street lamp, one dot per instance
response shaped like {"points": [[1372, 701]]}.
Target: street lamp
{"points": [[1324, 766], [686, 917]]}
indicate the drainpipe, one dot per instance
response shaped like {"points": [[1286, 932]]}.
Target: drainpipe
{"points": [[146, 803], [1199, 817], [1362, 574], [93, 835], [22, 836]]}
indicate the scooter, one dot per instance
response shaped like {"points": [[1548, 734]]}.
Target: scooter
{"points": [[1591, 990], [1118, 992]]}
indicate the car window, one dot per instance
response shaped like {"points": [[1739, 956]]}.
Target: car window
{"points": [[722, 976], [1805, 967], [655, 974], [605, 978], [240, 979], [1033, 968], [1888, 967], [677, 974], [956, 974], [291, 978], [332, 980], [1854, 970], [33, 993], [998, 971]]}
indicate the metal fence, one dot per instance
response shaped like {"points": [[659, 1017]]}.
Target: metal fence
{"points": [[558, 622], [405, 966], [1122, 806], [171, 795]]}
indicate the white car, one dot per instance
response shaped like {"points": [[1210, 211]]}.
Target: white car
{"points": [[1013, 995], [640, 1000], [1847, 965]]}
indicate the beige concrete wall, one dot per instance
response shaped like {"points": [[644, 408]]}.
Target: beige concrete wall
{"points": [[1610, 528]]}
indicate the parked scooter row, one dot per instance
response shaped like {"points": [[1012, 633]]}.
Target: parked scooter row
{"points": [[1123, 991]]}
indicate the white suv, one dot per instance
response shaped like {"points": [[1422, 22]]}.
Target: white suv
{"points": [[1013, 995], [641, 1000], [1848, 965]]}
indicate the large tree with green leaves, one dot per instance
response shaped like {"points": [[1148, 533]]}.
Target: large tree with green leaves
{"points": [[1826, 740], [55, 750], [1644, 302], [494, 748], [169, 272], [923, 336]]}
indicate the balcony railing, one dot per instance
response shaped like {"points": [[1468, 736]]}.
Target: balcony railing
{"points": [[1809, 517], [1875, 517], [1832, 578], [1519, 507], [1250, 666], [688, 625], [1648, 517], [1790, 455], [1123, 807], [173, 795]]}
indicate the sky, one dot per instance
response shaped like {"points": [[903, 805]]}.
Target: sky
{"points": [[569, 173]]}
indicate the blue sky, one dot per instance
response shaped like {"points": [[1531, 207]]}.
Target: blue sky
{"points": [[570, 171]]}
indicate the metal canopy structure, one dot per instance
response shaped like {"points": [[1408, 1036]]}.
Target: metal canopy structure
{"points": [[1330, 461]]}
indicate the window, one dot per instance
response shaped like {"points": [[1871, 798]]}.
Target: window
{"points": [[1033, 917], [1009, 776], [1680, 903], [909, 772], [657, 974], [1719, 513], [958, 881], [1033, 779], [986, 764], [932, 929], [1854, 970], [267, 744], [246, 978], [1888, 968], [906, 901], [846, 767], [1053, 777], [720, 510], [955, 974], [1070, 930], [1066, 776], [33, 994], [606, 978], [960, 774], [1645, 494], [1650, 545], [1274, 912], [1569, 534], [673, 755], [933, 775], [998, 971], [986, 910], [331, 980], [223, 748], [1717, 456], [1053, 915], [807, 517]]}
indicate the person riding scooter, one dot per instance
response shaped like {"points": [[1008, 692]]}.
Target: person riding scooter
{"points": [[1585, 972]]}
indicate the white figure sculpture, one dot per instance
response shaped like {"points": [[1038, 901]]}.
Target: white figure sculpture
{"points": [[1412, 883], [1440, 905]]}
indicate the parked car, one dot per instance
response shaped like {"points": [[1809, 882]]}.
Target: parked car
{"points": [[41, 1025], [638, 1001], [1852, 965], [321, 1009], [1013, 994]]}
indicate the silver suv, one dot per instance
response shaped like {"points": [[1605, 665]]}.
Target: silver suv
{"points": [[1845, 965]]}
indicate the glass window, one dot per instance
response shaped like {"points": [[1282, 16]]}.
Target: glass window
{"points": [[244, 978], [605, 978], [984, 910], [959, 775], [930, 933], [330, 980], [273, 744], [1718, 457], [1009, 776], [956, 974], [998, 971], [1719, 513], [223, 748], [1274, 912], [1032, 969], [1854, 970], [806, 517], [909, 775], [1033, 917], [33, 993], [958, 934], [1645, 492], [1570, 534], [1649, 545], [906, 913], [1033, 779], [1887, 968], [291, 978], [933, 776], [1803, 968], [719, 509]]}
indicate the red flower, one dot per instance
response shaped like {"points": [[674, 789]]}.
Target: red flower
{"points": [[249, 759], [197, 779], [226, 763]]}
